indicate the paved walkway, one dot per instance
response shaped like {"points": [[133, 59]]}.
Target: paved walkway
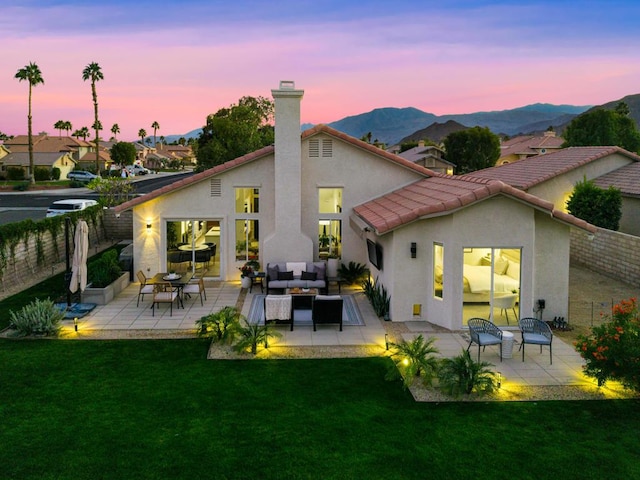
{"points": [[122, 314]]}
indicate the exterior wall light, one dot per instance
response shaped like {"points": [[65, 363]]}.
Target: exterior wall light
{"points": [[148, 227], [414, 250]]}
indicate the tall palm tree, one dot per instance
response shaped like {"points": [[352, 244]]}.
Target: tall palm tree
{"points": [[155, 126], [115, 130], [93, 72], [84, 133], [59, 125], [32, 74], [142, 133], [67, 127]]}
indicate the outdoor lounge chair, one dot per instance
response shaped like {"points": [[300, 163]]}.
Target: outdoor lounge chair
{"points": [[164, 293], [326, 310], [484, 333], [144, 288], [536, 332], [278, 309]]}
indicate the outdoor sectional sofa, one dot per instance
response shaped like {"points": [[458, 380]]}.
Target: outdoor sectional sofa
{"points": [[284, 275]]}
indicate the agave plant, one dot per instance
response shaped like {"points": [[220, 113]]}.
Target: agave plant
{"points": [[252, 334], [462, 374], [353, 272], [40, 317], [414, 359]]}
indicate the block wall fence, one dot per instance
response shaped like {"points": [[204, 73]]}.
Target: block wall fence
{"points": [[610, 253], [22, 269]]}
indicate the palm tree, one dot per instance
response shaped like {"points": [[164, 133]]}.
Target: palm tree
{"points": [[33, 75], [93, 72], [84, 133], [115, 130], [155, 126], [142, 133], [59, 125], [67, 127]]}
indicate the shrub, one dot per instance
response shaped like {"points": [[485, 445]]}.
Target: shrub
{"points": [[105, 270], [221, 326], [40, 317], [15, 173], [55, 173], [42, 174], [21, 187], [462, 374], [353, 272], [414, 359], [598, 206], [252, 334], [612, 350]]}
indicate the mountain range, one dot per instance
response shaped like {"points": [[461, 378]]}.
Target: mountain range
{"points": [[392, 125]]}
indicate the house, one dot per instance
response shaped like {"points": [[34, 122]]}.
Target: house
{"points": [[49, 144], [553, 177], [429, 156], [444, 247], [48, 160], [525, 146]]}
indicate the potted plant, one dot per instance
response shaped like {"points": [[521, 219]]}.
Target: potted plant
{"points": [[333, 263], [246, 272]]}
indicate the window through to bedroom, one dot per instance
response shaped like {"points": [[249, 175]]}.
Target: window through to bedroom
{"points": [[491, 284]]}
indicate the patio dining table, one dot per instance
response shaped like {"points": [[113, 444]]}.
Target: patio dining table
{"points": [[178, 282]]}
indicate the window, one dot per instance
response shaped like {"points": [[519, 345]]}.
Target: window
{"points": [[247, 200], [438, 271], [329, 238], [330, 200], [247, 240]]}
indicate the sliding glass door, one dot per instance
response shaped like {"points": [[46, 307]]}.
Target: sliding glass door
{"points": [[193, 245]]}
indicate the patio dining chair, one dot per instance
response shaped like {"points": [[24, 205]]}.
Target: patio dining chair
{"points": [[195, 287], [483, 333], [144, 288], [536, 332], [164, 293]]}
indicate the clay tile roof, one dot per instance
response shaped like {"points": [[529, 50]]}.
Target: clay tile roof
{"points": [[198, 177], [626, 179], [442, 195], [528, 172]]}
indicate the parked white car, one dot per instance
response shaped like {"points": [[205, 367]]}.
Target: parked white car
{"points": [[61, 207], [137, 170]]}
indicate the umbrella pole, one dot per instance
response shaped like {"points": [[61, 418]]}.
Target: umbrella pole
{"points": [[67, 275]]}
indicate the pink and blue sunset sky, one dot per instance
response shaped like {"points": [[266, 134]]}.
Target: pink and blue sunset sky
{"points": [[175, 62]]}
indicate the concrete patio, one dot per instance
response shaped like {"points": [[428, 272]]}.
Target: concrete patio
{"points": [[122, 314]]}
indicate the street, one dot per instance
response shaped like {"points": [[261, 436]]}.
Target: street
{"points": [[18, 206]]}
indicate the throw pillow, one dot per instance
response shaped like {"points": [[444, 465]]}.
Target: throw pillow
{"points": [[500, 266], [320, 270], [296, 267], [309, 276], [285, 275], [272, 271]]}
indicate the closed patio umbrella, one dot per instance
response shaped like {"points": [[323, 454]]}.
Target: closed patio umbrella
{"points": [[79, 265]]}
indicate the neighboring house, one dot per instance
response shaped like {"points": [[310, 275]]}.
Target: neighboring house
{"points": [[444, 247], [429, 156], [88, 160], [627, 180], [553, 177], [525, 146], [182, 153], [49, 144], [61, 160]]}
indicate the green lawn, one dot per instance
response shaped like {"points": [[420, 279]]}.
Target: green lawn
{"points": [[135, 409]]}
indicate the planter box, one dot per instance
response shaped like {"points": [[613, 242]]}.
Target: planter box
{"points": [[102, 296]]}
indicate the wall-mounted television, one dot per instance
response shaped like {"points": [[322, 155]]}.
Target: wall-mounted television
{"points": [[374, 251]]}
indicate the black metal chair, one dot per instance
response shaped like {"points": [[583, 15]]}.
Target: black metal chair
{"points": [[483, 333], [536, 332], [327, 310]]}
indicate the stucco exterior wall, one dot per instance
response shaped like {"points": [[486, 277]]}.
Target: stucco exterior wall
{"points": [[499, 222], [630, 220], [197, 202], [558, 189]]}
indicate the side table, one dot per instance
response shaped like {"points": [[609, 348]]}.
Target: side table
{"points": [[256, 279], [337, 280], [507, 344]]}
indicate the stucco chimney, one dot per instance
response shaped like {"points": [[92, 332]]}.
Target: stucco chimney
{"points": [[288, 243]]}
